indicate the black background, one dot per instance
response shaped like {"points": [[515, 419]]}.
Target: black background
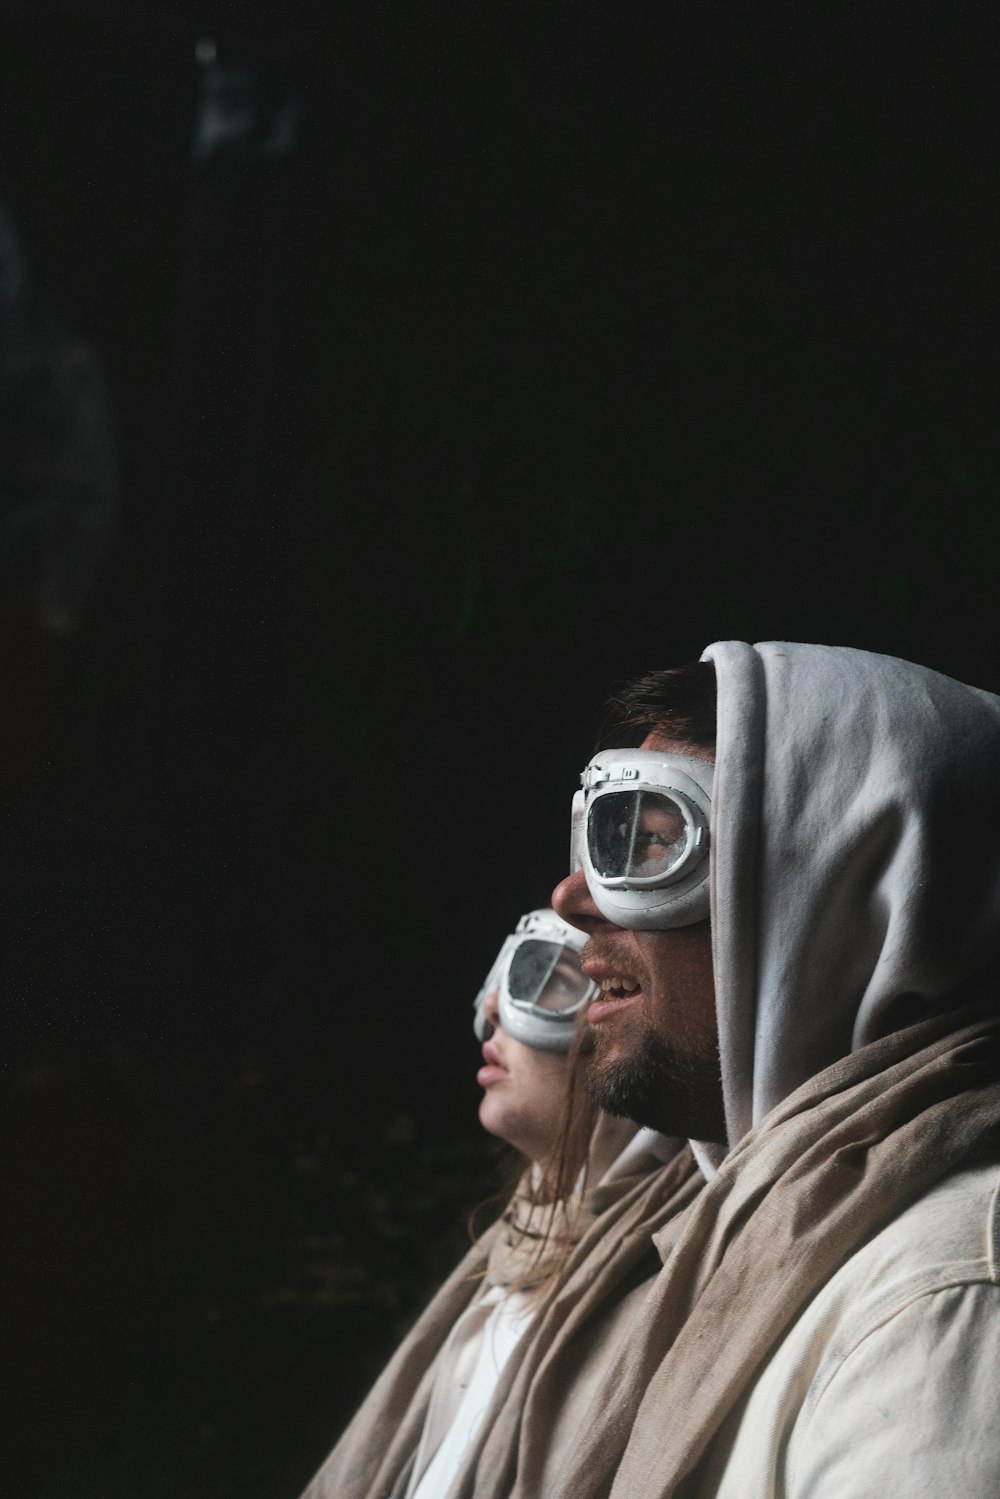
{"points": [[558, 342]]}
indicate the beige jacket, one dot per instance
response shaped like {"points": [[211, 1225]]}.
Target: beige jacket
{"points": [[796, 1206], [887, 1383]]}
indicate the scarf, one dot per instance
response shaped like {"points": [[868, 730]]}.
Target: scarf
{"points": [[841, 1156], [632, 1197]]}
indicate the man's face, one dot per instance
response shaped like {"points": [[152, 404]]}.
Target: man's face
{"points": [[656, 1057]]}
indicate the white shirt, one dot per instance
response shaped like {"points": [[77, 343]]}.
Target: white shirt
{"points": [[490, 1330]]}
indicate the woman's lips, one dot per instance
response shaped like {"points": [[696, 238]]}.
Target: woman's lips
{"points": [[492, 1069], [487, 1075]]}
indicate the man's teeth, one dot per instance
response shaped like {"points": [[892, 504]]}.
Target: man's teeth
{"points": [[622, 983]]}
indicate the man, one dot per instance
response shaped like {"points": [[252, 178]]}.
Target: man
{"points": [[795, 924]]}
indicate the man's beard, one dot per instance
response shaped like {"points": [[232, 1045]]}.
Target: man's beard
{"points": [[674, 1092]]}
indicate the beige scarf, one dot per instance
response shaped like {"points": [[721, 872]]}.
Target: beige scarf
{"points": [[614, 1258], [837, 1159], [613, 1225]]}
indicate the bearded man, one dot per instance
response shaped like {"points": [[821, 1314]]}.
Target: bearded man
{"points": [[793, 912]]}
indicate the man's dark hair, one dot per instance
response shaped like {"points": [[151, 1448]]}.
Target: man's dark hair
{"points": [[678, 703]]}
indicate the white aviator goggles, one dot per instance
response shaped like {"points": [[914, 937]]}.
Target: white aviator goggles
{"points": [[540, 983], [640, 833]]}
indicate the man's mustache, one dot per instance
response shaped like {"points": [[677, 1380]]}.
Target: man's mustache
{"points": [[606, 951]]}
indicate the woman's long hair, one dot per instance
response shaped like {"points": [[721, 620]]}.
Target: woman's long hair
{"points": [[542, 1218]]}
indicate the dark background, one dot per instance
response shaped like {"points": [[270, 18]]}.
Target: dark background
{"points": [[381, 386]]}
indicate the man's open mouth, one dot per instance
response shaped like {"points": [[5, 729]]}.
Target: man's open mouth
{"points": [[618, 992], [619, 986]]}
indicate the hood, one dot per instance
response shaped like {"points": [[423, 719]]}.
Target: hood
{"points": [[855, 857]]}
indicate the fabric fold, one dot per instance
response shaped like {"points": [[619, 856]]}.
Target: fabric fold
{"points": [[588, 1320], [634, 1193], [792, 1201]]}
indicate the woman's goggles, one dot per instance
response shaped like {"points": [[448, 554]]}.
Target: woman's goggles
{"points": [[540, 985]]}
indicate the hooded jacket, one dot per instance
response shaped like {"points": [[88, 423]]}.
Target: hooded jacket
{"points": [[827, 1318]]}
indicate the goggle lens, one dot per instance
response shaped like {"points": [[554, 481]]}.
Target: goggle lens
{"points": [[547, 975], [636, 835]]}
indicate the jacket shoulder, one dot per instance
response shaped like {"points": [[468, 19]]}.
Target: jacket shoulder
{"points": [[905, 1344], [889, 1373]]}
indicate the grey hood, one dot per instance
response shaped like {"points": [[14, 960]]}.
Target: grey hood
{"points": [[855, 857]]}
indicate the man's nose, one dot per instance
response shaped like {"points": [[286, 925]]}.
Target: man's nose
{"points": [[572, 900]]}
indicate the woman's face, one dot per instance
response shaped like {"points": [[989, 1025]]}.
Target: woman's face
{"points": [[525, 1090]]}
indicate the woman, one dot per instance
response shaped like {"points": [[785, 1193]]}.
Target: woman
{"points": [[507, 1312]]}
